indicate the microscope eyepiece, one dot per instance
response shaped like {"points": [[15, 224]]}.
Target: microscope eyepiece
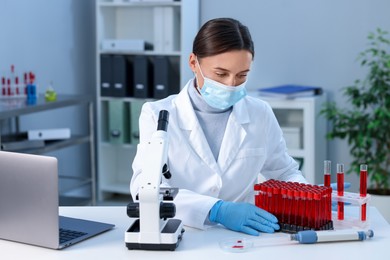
{"points": [[162, 123]]}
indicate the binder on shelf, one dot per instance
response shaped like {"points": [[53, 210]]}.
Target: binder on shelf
{"points": [[135, 111], [166, 80], [118, 118], [143, 77], [122, 76], [116, 76], [158, 29], [166, 29], [105, 75], [290, 91], [171, 29]]}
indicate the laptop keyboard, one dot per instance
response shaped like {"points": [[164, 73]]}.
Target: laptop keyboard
{"points": [[66, 235]]}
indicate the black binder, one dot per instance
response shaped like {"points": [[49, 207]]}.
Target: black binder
{"points": [[116, 76], [122, 76], [105, 75], [143, 77], [166, 80]]}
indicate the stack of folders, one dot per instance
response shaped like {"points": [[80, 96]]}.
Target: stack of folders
{"points": [[123, 121], [139, 76], [290, 91], [166, 28]]}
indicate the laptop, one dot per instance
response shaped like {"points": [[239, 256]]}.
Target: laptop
{"points": [[29, 204]]}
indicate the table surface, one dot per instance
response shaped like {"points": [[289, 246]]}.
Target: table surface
{"points": [[197, 243]]}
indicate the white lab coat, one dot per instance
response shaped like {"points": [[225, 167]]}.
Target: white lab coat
{"points": [[252, 144]]}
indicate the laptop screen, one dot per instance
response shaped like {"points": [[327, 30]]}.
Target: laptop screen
{"points": [[29, 199]]}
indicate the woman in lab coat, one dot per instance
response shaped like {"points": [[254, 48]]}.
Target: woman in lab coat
{"points": [[220, 139]]}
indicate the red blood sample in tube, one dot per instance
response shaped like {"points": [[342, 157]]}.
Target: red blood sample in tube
{"points": [[275, 200], [302, 206], [363, 190], [283, 192], [4, 91], [327, 173], [340, 191]]}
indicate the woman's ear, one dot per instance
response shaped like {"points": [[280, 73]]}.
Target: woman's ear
{"points": [[192, 62]]}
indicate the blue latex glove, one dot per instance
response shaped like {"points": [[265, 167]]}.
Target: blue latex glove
{"points": [[243, 217]]}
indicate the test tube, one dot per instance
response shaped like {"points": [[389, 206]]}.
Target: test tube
{"points": [[327, 173], [9, 93], [283, 192], [340, 190], [3, 87], [363, 190], [302, 211]]}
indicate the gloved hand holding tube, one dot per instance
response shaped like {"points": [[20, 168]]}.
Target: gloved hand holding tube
{"points": [[243, 217]]}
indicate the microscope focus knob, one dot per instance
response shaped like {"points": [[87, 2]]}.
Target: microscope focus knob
{"points": [[133, 210], [167, 210]]}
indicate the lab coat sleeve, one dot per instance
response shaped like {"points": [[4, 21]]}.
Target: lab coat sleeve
{"points": [[193, 208]]}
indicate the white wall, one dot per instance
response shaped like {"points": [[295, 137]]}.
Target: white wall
{"points": [[55, 40], [309, 42]]}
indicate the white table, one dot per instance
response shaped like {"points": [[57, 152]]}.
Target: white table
{"points": [[197, 244]]}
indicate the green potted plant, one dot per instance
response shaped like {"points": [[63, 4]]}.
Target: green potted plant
{"points": [[365, 124]]}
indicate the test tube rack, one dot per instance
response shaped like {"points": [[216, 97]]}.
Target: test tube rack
{"points": [[353, 199], [297, 206]]}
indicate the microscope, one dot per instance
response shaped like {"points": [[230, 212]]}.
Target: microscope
{"points": [[154, 228]]}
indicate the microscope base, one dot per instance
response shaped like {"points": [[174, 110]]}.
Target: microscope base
{"points": [[170, 236]]}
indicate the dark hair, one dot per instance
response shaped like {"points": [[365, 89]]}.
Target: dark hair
{"points": [[221, 35]]}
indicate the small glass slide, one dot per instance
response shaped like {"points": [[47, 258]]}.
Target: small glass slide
{"points": [[236, 245]]}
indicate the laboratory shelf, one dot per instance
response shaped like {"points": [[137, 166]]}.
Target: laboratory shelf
{"points": [[56, 145], [12, 109], [126, 99], [116, 187], [74, 201], [146, 53], [16, 107], [104, 4], [169, 26]]}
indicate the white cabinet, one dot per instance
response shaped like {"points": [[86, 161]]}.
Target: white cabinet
{"points": [[133, 29], [299, 119]]}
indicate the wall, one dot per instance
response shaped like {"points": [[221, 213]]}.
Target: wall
{"points": [[309, 42], [55, 40]]}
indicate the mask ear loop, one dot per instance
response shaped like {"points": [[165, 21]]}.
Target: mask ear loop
{"points": [[201, 73]]}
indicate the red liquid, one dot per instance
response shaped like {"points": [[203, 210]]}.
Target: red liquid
{"points": [[327, 180], [340, 192], [363, 193]]}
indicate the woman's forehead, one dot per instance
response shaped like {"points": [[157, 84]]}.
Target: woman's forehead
{"points": [[232, 61]]}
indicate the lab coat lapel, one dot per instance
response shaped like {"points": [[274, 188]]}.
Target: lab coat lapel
{"points": [[188, 122], [234, 135]]}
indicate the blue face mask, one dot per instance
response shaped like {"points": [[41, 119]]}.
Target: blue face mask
{"points": [[219, 95]]}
